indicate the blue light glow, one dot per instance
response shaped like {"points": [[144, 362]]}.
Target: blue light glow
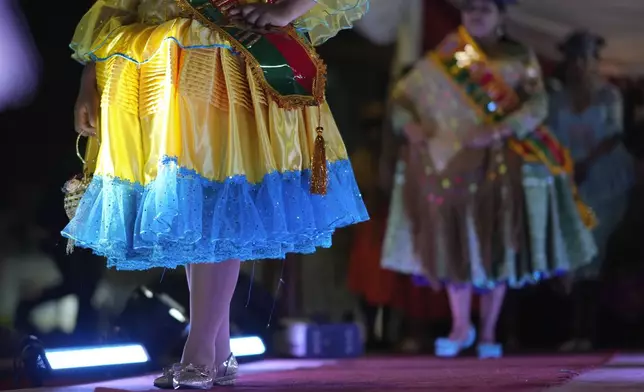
{"points": [[74, 358]]}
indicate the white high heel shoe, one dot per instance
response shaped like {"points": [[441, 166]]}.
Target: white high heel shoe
{"points": [[447, 348]]}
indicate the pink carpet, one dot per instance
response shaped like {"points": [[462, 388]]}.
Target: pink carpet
{"points": [[515, 374], [387, 374]]}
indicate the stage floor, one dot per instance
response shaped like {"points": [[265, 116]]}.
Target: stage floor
{"points": [[587, 373], [622, 373]]}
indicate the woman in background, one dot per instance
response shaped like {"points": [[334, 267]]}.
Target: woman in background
{"points": [[587, 116], [424, 309], [487, 188]]}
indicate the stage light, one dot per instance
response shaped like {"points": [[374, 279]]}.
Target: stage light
{"points": [[30, 367], [177, 315], [247, 346], [85, 357], [147, 292], [155, 318], [244, 346]]}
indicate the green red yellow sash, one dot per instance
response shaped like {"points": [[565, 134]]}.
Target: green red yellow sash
{"points": [[283, 62], [487, 92]]}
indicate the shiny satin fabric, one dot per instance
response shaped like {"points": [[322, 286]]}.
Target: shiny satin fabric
{"points": [[157, 78], [196, 163], [201, 106]]}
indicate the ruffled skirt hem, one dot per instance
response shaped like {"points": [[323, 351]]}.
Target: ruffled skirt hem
{"points": [[553, 240], [182, 218]]}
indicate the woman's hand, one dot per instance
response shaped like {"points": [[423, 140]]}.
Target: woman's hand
{"points": [[277, 14], [414, 133], [87, 103]]}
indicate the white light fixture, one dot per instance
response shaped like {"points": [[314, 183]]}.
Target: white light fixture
{"points": [[75, 358], [147, 292], [86, 357], [247, 346], [177, 315]]}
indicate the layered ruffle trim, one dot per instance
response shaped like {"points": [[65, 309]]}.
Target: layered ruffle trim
{"points": [[328, 17], [140, 43], [106, 32], [182, 217]]}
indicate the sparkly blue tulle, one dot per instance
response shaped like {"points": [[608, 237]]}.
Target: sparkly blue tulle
{"points": [[183, 218]]}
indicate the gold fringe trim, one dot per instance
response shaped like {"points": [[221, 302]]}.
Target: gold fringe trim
{"points": [[288, 102]]}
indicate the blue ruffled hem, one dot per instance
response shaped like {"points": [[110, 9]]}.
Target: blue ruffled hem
{"points": [[513, 283], [182, 218]]}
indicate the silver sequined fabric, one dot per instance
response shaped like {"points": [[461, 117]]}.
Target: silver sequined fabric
{"points": [[194, 377], [227, 371]]}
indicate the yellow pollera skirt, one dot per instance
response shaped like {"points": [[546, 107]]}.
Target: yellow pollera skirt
{"points": [[196, 163]]}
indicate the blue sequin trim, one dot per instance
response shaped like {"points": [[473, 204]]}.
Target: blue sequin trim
{"points": [[513, 283], [182, 217]]}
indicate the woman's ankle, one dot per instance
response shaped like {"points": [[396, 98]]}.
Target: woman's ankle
{"points": [[461, 332], [487, 340], [487, 335]]}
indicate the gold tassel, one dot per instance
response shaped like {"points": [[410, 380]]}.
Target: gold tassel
{"points": [[319, 173]]}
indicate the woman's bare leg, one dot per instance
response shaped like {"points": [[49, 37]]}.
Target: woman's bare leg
{"points": [[491, 304], [188, 275], [211, 289], [460, 303], [222, 341]]}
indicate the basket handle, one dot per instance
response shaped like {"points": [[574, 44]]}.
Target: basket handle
{"points": [[78, 153]]}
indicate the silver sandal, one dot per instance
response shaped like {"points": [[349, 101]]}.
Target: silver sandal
{"points": [[165, 380], [193, 377], [227, 371]]}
